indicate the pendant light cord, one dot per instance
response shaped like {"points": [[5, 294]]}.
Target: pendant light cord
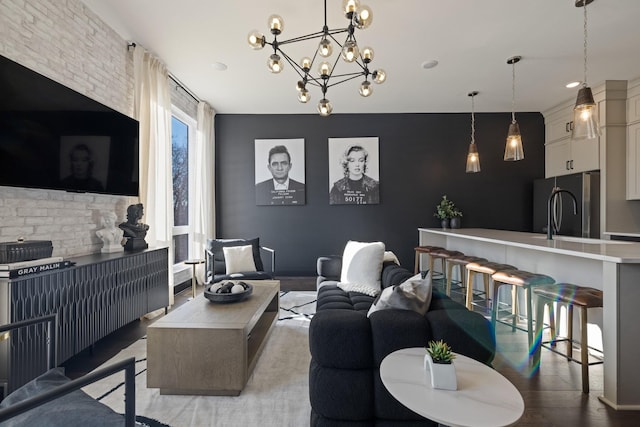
{"points": [[513, 91], [584, 2], [473, 121]]}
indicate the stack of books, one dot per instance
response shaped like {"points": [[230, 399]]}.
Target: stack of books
{"points": [[23, 268]]}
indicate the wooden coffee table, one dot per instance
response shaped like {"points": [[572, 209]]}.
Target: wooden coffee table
{"points": [[204, 348], [484, 397]]}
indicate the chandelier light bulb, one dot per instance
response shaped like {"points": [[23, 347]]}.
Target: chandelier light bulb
{"points": [[324, 69], [324, 107], [365, 88], [276, 24], [350, 51], [364, 17], [300, 85], [303, 96], [325, 49], [305, 64], [256, 40], [275, 63], [367, 55], [379, 76], [349, 7]]}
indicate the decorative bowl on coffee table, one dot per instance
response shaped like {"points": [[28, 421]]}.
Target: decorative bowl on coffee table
{"points": [[225, 298]]}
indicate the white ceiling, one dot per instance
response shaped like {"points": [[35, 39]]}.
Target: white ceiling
{"points": [[471, 40]]}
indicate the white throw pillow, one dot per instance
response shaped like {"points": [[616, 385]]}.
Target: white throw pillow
{"points": [[390, 256], [238, 259], [412, 294], [361, 267]]}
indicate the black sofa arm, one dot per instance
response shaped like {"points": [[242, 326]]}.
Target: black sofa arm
{"points": [[328, 268]]}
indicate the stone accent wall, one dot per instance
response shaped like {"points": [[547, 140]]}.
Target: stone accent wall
{"points": [[67, 42]]}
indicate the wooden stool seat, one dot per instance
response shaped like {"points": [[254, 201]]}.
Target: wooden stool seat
{"points": [[487, 269], [423, 250], [442, 255], [571, 295], [523, 279], [460, 261]]}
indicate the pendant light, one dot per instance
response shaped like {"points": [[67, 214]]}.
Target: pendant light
{"points": [[585, 113], [513, 150], [473, 158]]}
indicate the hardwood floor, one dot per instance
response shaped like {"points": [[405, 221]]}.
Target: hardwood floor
{"points": [[552, 395]]}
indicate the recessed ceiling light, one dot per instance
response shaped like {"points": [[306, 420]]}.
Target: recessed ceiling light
{"points": [[219, 66], [429, 64], [573, 84]]}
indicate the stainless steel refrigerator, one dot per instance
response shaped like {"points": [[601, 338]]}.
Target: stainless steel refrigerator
{"points": [[586, 187]]}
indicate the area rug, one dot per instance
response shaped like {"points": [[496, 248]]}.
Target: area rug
{"points": [[277, 393]]}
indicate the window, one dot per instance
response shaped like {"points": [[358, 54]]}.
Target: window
{"points": [[183, 134]]}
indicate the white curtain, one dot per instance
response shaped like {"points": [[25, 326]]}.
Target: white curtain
{"points": [[152, 108], [204, 200]]}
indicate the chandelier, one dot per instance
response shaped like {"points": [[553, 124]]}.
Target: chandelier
{"points": [[359, 17]]}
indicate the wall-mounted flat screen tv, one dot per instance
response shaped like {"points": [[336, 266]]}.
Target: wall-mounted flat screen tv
{"points": [[52, 137]]}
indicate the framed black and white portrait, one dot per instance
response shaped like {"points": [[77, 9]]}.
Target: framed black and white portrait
{"points": [[280, 171], [84, 162], [354, 171]]}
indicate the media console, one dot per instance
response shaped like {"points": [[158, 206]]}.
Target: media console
{"points": [[98, 295]]}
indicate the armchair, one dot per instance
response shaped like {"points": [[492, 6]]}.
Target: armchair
{"points": [[227, 259], [31, 404]]}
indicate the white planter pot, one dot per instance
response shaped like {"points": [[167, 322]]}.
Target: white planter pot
{"points": [[443, 375]]}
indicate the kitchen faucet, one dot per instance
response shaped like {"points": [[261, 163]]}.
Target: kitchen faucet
{"points": [[557, 193]]}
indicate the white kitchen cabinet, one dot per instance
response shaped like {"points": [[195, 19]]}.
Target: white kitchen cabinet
{"points": [[564, 156], [633, 161]]}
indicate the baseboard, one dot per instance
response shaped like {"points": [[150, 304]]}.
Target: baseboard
{"points": [[181, 287]]}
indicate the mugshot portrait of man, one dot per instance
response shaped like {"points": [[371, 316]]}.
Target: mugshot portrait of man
{"points": [[281, 189]]}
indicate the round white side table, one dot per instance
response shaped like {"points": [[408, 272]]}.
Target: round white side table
{"points": [[484, 397]]}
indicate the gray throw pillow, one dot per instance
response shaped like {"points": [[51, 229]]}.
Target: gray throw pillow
{"points": [[413, 294]]}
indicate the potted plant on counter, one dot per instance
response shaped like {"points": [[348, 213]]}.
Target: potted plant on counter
{"points": [[439, 362], [448, 213]]}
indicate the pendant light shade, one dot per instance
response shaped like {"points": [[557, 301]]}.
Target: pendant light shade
{"points": [[473, 158], [585, 113], [513, 150]]}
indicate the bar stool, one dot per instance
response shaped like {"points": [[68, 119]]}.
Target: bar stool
{"points": [[461, 262], [569, 294], [442, 255], [487, 269], [523, 279], [424, 250]]}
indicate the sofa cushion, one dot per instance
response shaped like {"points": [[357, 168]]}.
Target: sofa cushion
{"points": [[413, 294], [330, 296], [361, 267], [393, 274], [238, 258]]}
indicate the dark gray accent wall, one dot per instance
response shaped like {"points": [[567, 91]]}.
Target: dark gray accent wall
{"points": [[422, 157]]}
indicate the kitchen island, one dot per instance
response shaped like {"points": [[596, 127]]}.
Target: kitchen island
{"points": [[610, 265]]}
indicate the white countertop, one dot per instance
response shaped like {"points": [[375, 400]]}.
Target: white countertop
{"points": [[605, 250]]}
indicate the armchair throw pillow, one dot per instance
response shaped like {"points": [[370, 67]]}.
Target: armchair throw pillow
{"points": [[361, 267], [238, 259]]}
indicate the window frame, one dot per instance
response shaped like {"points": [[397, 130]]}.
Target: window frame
{"points": [[181, 271]]}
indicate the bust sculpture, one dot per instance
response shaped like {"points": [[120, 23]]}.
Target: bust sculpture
{"points": [[110, 235], [134, 230]]}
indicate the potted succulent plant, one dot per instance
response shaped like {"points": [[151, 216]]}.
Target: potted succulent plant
{"points": [[439, 362], [446, 211]]}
